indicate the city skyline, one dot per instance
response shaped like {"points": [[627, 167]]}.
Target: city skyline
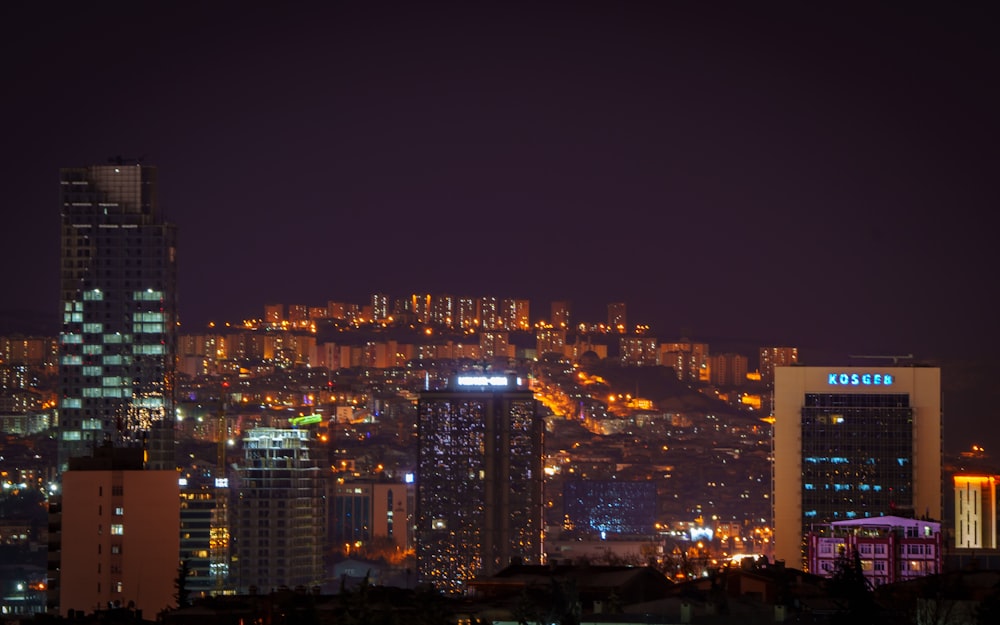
{"points": [[787, 175]]}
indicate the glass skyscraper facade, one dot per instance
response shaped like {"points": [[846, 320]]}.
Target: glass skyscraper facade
{"points": [[479, 482], [119, 313], [857, 453]]}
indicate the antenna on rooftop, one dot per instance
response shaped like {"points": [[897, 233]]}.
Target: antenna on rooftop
{"points": [[895, 359]]}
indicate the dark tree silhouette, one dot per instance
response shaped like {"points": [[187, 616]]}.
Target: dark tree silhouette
{"points": [[183, 594], [852, 591]]}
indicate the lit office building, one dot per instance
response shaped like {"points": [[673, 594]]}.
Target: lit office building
{"points": [[362, 510], [853, 443], [610, 507], [479, 480], [204, 536], [278, 513], [119, 313], [975, 511]]}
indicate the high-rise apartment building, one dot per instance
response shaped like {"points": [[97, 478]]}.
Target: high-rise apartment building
{"points": [[853, 443], [380, 307], [689, 360], [119, 311], [515, 314], [488, 313], [479, 480], [771, 357], [278, 512], [117, 537], [466, 311], [443, 310], [617, 321], [420, 306], [550, 341], [638, 351], [560, 314], [728, 369], [495, 344]]}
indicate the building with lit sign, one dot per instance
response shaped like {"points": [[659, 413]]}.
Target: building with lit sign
{"points": [[853, 443], [479, 480], [119, 313]]}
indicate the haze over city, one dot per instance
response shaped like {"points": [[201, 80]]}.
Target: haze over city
{"points": [[743, 175]]}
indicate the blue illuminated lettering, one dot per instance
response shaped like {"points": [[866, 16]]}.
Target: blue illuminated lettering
{"points": [[859, 379]]}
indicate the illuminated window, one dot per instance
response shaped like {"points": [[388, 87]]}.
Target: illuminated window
{"points": [[117, 529]]}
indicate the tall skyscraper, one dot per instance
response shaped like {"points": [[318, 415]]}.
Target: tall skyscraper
{"points": [[278, 511], [479, 480], [119, 311], [853, 443]]}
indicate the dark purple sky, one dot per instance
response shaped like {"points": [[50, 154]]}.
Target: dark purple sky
{"points": [[824, 176]]}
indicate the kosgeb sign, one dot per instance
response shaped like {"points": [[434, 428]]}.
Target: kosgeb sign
{"points": [[859, 379]]}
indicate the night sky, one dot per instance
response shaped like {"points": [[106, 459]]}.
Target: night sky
{"points": [[745, 174]]}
